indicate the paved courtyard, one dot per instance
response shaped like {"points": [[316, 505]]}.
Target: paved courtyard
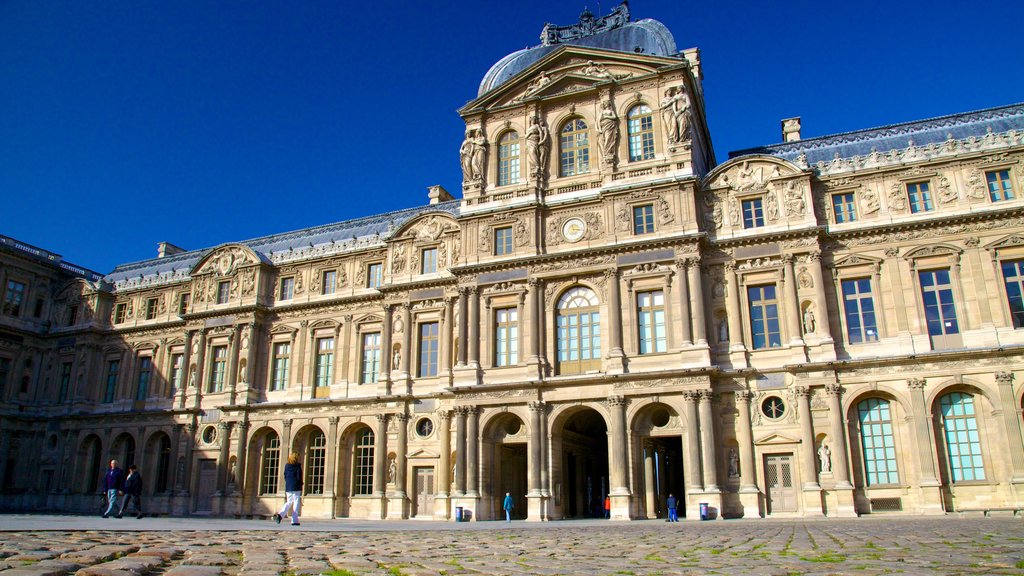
{"points": [[58, 545]]}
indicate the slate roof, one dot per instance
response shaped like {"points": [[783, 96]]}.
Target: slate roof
{"points": [[897, 136], [340, 237]]}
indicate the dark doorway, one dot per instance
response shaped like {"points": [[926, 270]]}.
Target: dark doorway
{"points": [[585, 464]]}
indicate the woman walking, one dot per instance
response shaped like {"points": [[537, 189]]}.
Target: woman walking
{"points": [[292, 490]]}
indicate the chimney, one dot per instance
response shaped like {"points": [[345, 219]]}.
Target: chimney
{"points": [[167, 249], [791, 129], [438, 194]]}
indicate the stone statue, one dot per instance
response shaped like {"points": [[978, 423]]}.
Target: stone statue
{"points": [[734, 463], [479, 158], [538, 143], [232, 471], [825, 457], [608, 129], [723, 330], [596, 70], [392, 470], [396, 358], [808, 321], [675, 115], [466, 156]]}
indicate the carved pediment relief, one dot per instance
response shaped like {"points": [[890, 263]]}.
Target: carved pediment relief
{"points": [[749, 174], [427, 229], [326, 323], [284, 329], [225, 260], [1006, 242], [933, 250], [775, 439], [422, 453]]}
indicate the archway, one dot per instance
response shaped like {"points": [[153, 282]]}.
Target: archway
{"points": [[581, 442], [123, 450], [504, 459], [657, 437], [158, 463]]}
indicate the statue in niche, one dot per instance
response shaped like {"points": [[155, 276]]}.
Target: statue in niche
{"points": [[466, 156], [392, 469], [734, 463], [479, 154], [538, 142], [825, 457], [772, 210], [675, 115], [232, 471], [723, 330], [396, 358], [808, 321], [608, 129]]}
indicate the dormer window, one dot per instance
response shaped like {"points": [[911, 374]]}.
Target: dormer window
{"points": [[920, 197], [508, 158], [428, 261], [753, 213], [640, 127], [575, 148]]}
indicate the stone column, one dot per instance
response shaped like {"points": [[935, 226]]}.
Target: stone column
{"points": [[536, 450], [384, 378], [745, 440], [696, 285], [251, 360], [286, 448], [187, 376], [792, 302], [330, 462], [472, 451], [1011, 424], [444, 366], [840, 465], [380, 455], [460, 450], [732, 306], [619, 461], [224, 438], [693, 475], [403, 365], [240, 453], [686, 317], [820, 301], [649, 493], [616, 356], [707, 441], [396, 508], [807, 447], [232, 376], [925, 447], [533, 317], [444, 436], [463, 326], [185, 475], [474, 328]]}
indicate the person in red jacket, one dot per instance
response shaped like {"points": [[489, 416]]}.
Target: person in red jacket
{"points": [[607, 506]]}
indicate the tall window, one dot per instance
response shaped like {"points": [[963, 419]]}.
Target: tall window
{"points": [[575, 148], [287, 289], [643, 219], [177, 372], [65, 381], [506, 337], [578, 331], [324, 362], [843, 207], [362, 477], [163, 464], [223, 292], [120, 310], [371, 358], [271, 464], [428, 261], [5, 374], [963, 442], [651, 321], [753, 213], [218, 369], [183, 304], [859, 309], [920, 197], [428, 349], [939, 310], [279, 369], [374, 275], [640, 127], [877, 443], [508, 159], [150, 308], [112, 368], [330, 282], [999, 185], [764, 317], [1013, 277], [502, 240], [13, 297], [315, 458], [145, 373]]}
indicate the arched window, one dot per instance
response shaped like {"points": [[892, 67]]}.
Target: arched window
{"points": [[640, 128], [579, 331], [163, 464], [315, 456], [575, 148], [963, 441], [270, 463], [877, 441], [362, 477], [508, 158]]}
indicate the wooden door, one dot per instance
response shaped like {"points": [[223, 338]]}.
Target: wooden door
{"points": [[423, 496], [206, 485], [778, 481]]}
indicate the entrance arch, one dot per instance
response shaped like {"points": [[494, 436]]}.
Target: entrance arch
{"points": [[504, 460], [657, 435], [579, 445]]}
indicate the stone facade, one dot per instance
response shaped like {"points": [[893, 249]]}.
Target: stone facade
{"points": [[829, 326]]}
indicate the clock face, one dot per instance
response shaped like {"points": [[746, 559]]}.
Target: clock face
{"points": [[573, 229]]}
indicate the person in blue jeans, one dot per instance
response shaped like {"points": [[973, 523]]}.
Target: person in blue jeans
{"points": [[671, 503], [507, 507], [113, 483], [292, 490]]}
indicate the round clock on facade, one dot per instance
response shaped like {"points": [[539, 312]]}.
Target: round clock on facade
{"points": [[573, 229]]}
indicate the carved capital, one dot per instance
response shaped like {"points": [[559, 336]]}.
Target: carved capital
{"points": [[814, 256], [916, 383], [705, 395], [223, 427], [611, 274], [333, 420], [801, 392], [443, 414], [381, 418], [287, 423], [538, 406], [691, 395], [1004, 377], [744, 396], [833, 389], [616, 401], [401, 417], [788, 258]]}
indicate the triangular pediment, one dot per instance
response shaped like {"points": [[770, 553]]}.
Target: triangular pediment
{"points": [[856, 260], [1011, 241], [775, 439], [423, 453]]}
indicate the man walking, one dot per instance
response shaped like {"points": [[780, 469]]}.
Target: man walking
{"points": [[113, 483], [671, 503], [132, 491], [507, 507]]}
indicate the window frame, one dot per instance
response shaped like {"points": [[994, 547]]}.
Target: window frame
{"points": [[14, 297], [183, 303], [65, 382], [509, 164], [858, 298], [1016, 316], [922, 190], [587, 326], [769, 307], [845, 210], [975, 447], [647, 323], [754, 216], [151, 308], [286, 289], [224, 292], [506, 336], [428, 260], [315, 462], [120, 312], [329, 282], [370, 357], [270, 464], [503, 240], [888, 440], [1005, 191], [323, 363], [280, 365], [643, 219], [574, 147], [374, 274], [112, 372], [640, 133], [363, 460], [428, 349], [144, 375], [218, 369]]}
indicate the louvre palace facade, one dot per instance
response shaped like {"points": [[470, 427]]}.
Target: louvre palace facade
{"points": [[825, 326]]}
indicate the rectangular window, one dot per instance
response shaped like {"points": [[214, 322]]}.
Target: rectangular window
{"points": [[5, 374], [374, 275], [316, 457], [506, 337], [218, 369], [183, 304], [643, 219], [223, 292], [428, 349], [859, 310], [72, 315], [843, 208], [503, 241], [177, 372], [1013, 278], [920, 197], [362, 478], [428, 260], [371, 358], [878, 442], [150, 308], [324, 362], [753, 213], [65, 382], [963, 439], [279, 368], [651, 321], [271, 464], [112, 368], [38, 311], [287, 289], [13, 298], [330, 282], [764, 317], [145, 372], [119, 313], [937, 295], [999, 186]]}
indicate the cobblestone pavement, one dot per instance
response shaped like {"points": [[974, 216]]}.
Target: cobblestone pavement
{"points": [[191, 547]]}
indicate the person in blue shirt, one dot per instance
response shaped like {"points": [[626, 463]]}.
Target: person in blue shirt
{"points": [[672, 504], [113, 483], [507, 506], [292, 490]]}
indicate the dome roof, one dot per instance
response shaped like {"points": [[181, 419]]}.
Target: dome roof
{"points": [[613, 32]]}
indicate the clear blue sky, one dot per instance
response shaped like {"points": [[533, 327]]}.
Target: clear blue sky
{"points": [[199, 122]]}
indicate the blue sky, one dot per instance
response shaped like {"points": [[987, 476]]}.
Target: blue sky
{"points": [[123, 124]]}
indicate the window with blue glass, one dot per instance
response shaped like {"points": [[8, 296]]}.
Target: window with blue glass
{"points": [[1013, 277], [764, 317], [502, 240], [939, 309], [578, 331], [920, 197], [651, 322], [963, 441], [859, 311], [999, 186], [643, 219], [753, 213], [843, 208], [428, 349], [640, 126], [877, 442], [145, 373]]}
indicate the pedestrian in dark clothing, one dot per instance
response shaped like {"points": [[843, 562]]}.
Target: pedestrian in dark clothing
{"points": [[132, 492], [672, 504], [113, 483], [292, 490]]}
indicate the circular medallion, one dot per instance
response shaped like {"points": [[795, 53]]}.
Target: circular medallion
{"points": [[573, 229], [424, 427], [773, 408]]}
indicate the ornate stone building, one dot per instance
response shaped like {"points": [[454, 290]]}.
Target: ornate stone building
{"points": [[827, 326]]}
